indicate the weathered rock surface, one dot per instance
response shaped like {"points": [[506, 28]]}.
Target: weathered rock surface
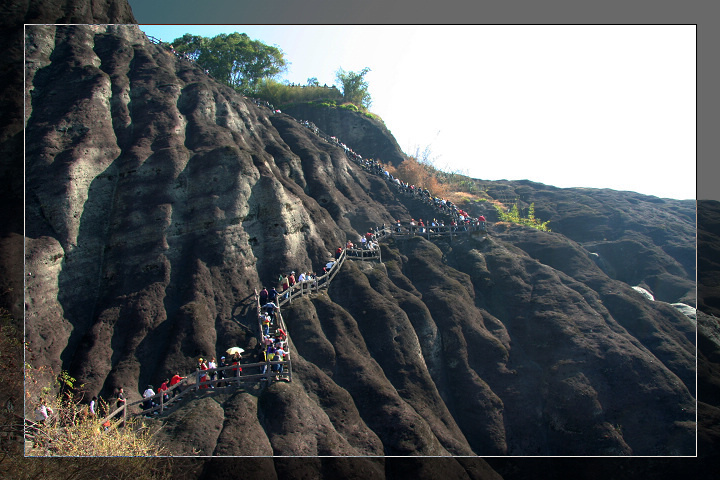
{"points": [[158, 201], [708, 331], [366, 135]]}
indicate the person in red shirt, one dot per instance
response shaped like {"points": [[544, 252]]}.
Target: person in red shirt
{"points": [[174, 381], [237, 371], [164, 388]]}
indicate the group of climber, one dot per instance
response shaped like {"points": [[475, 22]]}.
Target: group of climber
{"points": [[273, 345], [460, 220], [366, 243], [164, 389], [212, 370], [288, 281], [438, 226], [459, 217]]}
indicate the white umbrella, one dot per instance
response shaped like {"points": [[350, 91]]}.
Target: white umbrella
{"points": [[234, 350]]}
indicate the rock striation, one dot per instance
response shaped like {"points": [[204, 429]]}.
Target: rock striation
{"points": [[157, 201]]}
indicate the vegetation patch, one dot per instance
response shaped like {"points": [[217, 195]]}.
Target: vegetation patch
{"points": [[350, 106], [513, 215]]}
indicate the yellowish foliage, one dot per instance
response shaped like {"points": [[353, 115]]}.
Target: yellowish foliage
{"points": [[71, 430]]}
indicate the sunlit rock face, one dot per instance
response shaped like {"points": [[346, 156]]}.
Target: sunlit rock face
{"points": [[158, 201]]}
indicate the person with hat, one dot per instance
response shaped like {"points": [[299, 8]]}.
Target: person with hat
{"points": [[265, 321], [203, 375]]}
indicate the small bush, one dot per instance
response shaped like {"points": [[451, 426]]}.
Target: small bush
{"points": [[350, 106]]}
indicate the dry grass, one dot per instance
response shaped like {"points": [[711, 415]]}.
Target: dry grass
{"points": [[71, 430]]}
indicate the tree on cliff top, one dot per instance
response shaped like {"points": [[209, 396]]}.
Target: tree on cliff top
{"points": [[354, 87], [233, 58]]}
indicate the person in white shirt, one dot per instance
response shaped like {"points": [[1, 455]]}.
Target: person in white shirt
{"points": [[212, 365], [42, 412], [149, 392]]}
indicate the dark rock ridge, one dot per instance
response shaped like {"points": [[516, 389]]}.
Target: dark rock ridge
{"points": [[368, 136], [158, 201], [708, 231]]}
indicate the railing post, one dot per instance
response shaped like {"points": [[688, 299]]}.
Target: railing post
{"points": [[197, 380]]}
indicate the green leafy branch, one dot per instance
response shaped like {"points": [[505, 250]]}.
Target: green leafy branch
{"points": [[513, 216]]}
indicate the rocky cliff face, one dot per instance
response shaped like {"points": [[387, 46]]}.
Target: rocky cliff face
{"points": [[368, 136], [158, 201]]}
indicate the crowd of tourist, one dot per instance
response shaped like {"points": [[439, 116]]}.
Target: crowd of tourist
{"points": [[367, 245], [457, 219], [273, 346]]}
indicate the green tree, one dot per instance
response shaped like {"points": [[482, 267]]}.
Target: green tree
{"points": [[233, 58], [354, 87]]}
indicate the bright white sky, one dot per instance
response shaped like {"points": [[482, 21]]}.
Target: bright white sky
{"points": [[601, 106]]}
